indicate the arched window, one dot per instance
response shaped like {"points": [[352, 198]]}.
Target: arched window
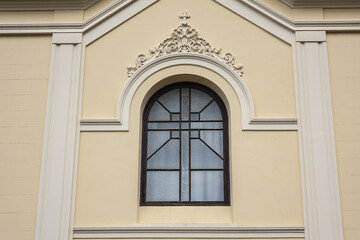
{"points": [[185, 159]]}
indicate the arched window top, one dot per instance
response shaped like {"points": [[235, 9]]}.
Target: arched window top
{"points": [[185, 148]]}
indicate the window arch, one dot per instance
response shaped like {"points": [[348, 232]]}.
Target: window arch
{"points": [[185, 156]]}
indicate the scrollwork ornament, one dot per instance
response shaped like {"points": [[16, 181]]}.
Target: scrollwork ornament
{"points": [[185, 39]]}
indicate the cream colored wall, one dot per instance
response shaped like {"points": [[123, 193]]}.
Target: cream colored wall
{"points": [[259, 164], [344, 62], [26, 16], [24, 72], [267, 60], [108, 175], [352, 13], [41, 16]]}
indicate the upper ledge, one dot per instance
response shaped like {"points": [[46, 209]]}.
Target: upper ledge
{"points": [[120, 5], [193, 232], [24, 5], [322, 3]]}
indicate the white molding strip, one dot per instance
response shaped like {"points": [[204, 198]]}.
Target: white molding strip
{"points": [[67, 38], [57, 164], [27, 5], [249, 122], [322, 4], [321, 198], [265, 21], [188, 232], [303, 25], [310, 36], [256, 12]]}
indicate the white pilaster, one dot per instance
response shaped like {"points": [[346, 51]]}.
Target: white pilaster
{"points": [[58, 157], [321, 199]]}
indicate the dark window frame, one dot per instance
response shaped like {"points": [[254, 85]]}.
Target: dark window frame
{"points": [[225, 130]]}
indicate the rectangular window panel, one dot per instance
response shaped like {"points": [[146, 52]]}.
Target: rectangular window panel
{"points": [[165, 158], [185, 104], [156, 139], [185, 166], [162, 186], [203, 157], [207, 186], [163, 125], [206, 125], [184, 125]]}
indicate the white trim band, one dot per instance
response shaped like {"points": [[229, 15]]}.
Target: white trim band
{"points": [[188, 232]]}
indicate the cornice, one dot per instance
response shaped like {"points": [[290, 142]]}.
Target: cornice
{"points": [[322, 3], [209, 232], [304, 25], [29, 5], [271, 14], [51, 27]]}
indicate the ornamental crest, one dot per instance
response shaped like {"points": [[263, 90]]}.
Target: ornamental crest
{"points": [[185, 40]]}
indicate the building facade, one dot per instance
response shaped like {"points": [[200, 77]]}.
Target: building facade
{"points": [[240, 122]]}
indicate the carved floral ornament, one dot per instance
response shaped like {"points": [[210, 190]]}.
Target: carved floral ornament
{"points": [[185, 40]]}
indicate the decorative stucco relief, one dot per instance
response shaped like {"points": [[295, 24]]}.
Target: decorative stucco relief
{"points": [[185, 39]]}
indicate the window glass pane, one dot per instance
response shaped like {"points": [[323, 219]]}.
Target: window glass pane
{"points": [[163, 125], [158, 113], [206, 125], [175, 134], [184, 166], [199, 100], [211, 112], [155, 140], [184, 104], [207, 186], [175, 116], [214, 139], [162, 186], [195, 134], [184, 125], [171, 100], [202, 157], [167, 157], [195, 116]]}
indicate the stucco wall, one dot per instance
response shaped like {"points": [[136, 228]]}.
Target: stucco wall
{"points": [[24, 72], [344, 62], [108, 173]]}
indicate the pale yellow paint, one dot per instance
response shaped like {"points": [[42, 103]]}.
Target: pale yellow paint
{"points": [[308, 14], [351, 13], [97, 7], [68, 15], [344, 62], [173, 215], [279, 7], [108, 177], [26, 16], [24, 71], [267, 60]]}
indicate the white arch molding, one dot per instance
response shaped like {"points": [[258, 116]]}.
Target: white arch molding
{"points": [[249, 122]]}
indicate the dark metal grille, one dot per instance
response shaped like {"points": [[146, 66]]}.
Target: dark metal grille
{"points": [[185, 148]]}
